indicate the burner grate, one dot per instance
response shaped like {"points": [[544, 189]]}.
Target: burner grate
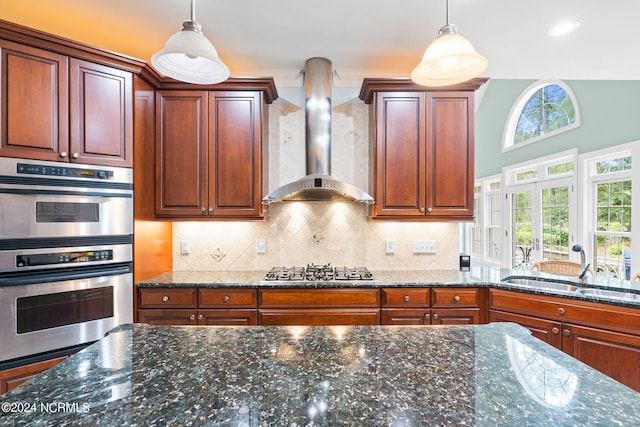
{"points": [[313, 272]]}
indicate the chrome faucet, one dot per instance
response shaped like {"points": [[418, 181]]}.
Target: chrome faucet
{"points": [[584, 267]]}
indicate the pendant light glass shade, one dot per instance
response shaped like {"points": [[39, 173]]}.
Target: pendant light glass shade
{"points": [[190, 57], [449, 60]]}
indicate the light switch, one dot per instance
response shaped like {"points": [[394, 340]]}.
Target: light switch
{"points": [[261, 246], [185, 247], [389, 246]]}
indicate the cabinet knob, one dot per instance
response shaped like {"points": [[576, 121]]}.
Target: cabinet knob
{"points": [[427, 316], [75, 155], [406, 298], [566, 332], [63, 154], [210, 209], [165, 298], [429, 209], [456, 298], [203, 209], [200, 317], [226, 298], [555, 330], [435, 315], [422, 209], [192, 317], [560, 311]]}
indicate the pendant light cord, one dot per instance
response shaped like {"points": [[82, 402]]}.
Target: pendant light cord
{"points": [[193, 10], [447, 12]]}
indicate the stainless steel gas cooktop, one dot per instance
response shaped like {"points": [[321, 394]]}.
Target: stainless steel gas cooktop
{"points": [[313, 272]]}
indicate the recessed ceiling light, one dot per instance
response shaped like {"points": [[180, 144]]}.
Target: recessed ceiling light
{"points": [[563, 28]]}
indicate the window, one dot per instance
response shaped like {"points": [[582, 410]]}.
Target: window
{"points": [[609, 176], [544, 109], [484, 234]]}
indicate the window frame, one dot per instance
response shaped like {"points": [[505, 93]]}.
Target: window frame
{"points": [[517, 108]]}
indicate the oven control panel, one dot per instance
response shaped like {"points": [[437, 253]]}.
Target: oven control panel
{"points": [[35, 169], [57, 258]]}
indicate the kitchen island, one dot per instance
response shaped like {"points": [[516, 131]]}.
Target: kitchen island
{"points": [[484, 375]]}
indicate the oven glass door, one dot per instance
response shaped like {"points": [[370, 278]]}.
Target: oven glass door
{"points": [[39, 312], [61, 214], [51, 310]]}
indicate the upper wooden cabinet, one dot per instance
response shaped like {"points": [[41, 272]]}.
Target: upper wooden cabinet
{"points": [[423, 156], [209, 154], [58, 108]]}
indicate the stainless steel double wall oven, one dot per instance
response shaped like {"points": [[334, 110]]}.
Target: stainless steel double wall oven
{"points": [[66, 272]]}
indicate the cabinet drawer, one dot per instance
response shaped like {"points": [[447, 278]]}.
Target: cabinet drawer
{"points": [[174, 298], [318, 298], [405, 297], [227, 297], [455, 297], [624, 319]]}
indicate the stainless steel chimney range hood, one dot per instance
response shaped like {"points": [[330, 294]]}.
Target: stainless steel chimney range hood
{"points": [[318, 184]]}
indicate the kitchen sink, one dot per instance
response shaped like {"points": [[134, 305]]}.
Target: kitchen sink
{"points": [[545, 284], [537, 283], [607, 293]]}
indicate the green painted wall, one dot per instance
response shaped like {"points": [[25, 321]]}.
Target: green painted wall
{"points": [[609, 115]]}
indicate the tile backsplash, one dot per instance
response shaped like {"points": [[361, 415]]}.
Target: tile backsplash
{"points": [[299, 233]]}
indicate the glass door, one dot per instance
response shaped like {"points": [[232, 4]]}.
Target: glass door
{"points": [[541, 222]]}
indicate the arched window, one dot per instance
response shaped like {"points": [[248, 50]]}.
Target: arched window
{"points": [[544, 109]]}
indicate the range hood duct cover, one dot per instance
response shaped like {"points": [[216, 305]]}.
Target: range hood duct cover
{"points": [[318, 184]]}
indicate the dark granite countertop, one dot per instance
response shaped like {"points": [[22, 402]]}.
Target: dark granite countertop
{"points": [[479, 276], [483, 375]]}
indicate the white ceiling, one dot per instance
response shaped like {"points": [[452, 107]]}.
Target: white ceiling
{"points": [[361, 37]]}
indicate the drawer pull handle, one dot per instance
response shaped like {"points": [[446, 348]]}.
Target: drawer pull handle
{"points": [[566, 332], [456, 298], [192, 317], [560, 311], [226, 298], [406, 298], [165, 298], [555, 331]]}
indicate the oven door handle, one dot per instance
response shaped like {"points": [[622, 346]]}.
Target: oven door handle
{"points": [[73, 273]]}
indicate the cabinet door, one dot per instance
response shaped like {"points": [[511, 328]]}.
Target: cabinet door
{"points": [[313, 317], [235, 160], [34, 103], [450, 154], [399, 159], [235, 317], [468, 316], [169, 316], [181, 156], [546, 330], [101, 114], [12, 378], [404, 316], [614, 354]]}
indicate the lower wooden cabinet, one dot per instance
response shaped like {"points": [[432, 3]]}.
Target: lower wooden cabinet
{"points": [[335, 306], [192, 306], [432, 306], [596, 334], [13, 377]]}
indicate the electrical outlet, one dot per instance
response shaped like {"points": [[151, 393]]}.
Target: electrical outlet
{"points": [[424, 246], [185, 247], [389, 246], [261, 246]]}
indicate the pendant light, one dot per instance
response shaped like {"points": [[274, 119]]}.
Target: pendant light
{"points": [[449, 60], [189, 57]]}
